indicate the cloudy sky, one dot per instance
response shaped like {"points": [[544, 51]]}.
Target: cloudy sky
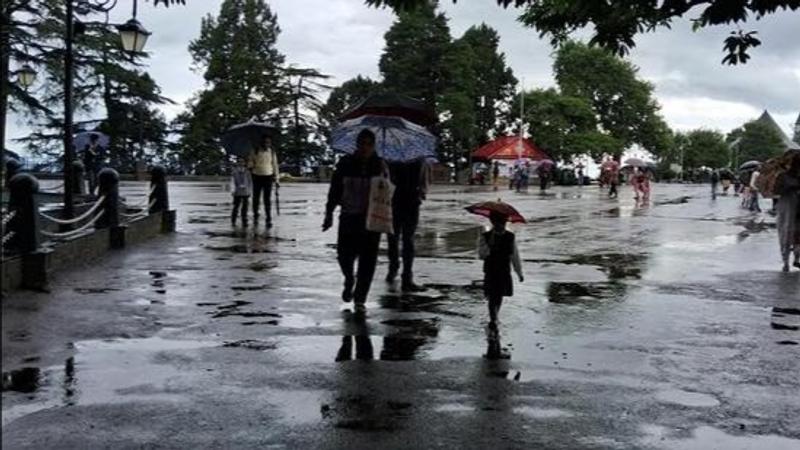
{"points": [[344, 38]]}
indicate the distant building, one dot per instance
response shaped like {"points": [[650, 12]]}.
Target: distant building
{"points": [[766, 119]]}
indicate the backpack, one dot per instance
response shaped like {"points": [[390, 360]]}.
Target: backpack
{"points": [[769, 173]]}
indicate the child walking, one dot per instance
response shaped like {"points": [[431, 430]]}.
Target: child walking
{"points": [[498, 250], [242, 189]]}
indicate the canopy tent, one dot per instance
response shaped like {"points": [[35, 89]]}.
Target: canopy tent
{"points": [[508, 147]]}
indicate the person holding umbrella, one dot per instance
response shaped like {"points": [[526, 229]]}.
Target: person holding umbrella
{"points": [[92, 158], [411, 186], [263, 164], [350, 190], [498, 250]]}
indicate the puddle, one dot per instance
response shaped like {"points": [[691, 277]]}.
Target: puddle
{"points": [[617, 265], [26, 380], [706, 437], [570, 293], [251, 344], [674, 201], [542, 413], [241, 248], [106, 371], [102, 290], [454, 408], [686, 398]]}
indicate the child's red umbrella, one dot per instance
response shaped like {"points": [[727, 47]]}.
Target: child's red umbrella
{"points": [[486, 209]]}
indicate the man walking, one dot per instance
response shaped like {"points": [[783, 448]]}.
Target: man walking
{"points": [[411, 185]]}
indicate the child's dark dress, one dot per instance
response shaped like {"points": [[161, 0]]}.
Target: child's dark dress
{"points": [[497, 266]]}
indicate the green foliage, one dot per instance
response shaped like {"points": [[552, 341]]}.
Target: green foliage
{"points": [[305, 86], [624, 105], [465, 81], [413, 61], [237, 54], [703, 148], [616, 23], [104, 76], [564, 126], [756, 141]]}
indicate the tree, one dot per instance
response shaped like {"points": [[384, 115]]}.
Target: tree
{"points": [[493, 81], [616, 23], [703, 148], [242, 68], [104, 76], [624, 105], [305, 87], [756, 141], [560, 124], [413, 61]]}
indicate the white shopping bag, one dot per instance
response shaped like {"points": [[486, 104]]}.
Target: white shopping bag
{"points": [[379, 211]]}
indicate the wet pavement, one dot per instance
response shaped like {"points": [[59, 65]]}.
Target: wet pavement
{"points": [[667, 326]]}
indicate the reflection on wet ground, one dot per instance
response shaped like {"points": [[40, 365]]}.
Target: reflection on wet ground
{"points": [[633, 322]]}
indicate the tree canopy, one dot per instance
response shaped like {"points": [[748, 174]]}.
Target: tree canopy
{"points": [[237, 55], [703, 148], [624, 105], [756, 141], [615, 24]]}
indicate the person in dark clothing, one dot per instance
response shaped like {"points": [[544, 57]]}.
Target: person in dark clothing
{"points": [[410, 189], [349, 189], [498, 250], [92, 158], [714, 182]]}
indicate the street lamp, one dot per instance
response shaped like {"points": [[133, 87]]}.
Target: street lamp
{"points": [[26, 76], [133, 35]]}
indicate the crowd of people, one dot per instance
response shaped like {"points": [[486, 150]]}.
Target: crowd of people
{"points": [[357, 245]]}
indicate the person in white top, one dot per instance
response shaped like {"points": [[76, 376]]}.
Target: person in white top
{"points": [[263, 165], [753, 201]]}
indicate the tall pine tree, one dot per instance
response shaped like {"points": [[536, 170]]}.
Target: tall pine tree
{"points": [[413, 61], [242, 68]]}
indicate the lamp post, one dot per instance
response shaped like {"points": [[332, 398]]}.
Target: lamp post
{"points": [[133, 36]]}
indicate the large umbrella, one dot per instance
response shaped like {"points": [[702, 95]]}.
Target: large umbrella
{"points": [[750, 165], [486, 209], [635, 162], [81, 140], [395, 105], [243, 138], [396, 139]]}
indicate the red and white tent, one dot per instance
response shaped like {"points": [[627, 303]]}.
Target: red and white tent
{"points": [[509, 148]]}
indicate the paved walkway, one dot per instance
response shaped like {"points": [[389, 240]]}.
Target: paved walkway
{"points": [[667, 326]]}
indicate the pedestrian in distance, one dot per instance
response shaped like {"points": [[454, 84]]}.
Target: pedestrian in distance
{"points": [[92, 159], [752, 193], [350, 190], [411, 186], [787, 187], [498, 250], [495, 174], [263, 165], [714, 183], [242, 189]]}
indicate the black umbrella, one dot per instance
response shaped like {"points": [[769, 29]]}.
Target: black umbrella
{"points": [[750, 165], [244, 138], [390, 104]]}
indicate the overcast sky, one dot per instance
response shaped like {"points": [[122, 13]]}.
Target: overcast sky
{"points": [[344, 38]]}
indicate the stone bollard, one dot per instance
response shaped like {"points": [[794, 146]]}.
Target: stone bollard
{"points": [[160, 196], [78, 173], [108, 185], [23, 188], [160, 199]]}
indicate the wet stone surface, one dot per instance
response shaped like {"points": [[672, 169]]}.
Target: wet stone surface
{"points": [[658, 327]]}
